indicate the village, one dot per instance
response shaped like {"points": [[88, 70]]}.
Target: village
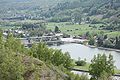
{"points": [[51, 38]]}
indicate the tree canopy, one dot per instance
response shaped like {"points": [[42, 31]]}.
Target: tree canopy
{"points": [[102, 65]]}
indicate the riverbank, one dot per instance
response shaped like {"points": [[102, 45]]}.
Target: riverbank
{"points": [[86, 68], [81, 41], [84, 72], [103, 48]]}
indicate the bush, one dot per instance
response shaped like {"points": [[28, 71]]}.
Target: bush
{"points": [[91, 41], [80, 63]]}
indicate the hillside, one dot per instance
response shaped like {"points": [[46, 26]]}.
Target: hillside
{"points": [[15, 8], [36, 68], [36, 63], [106, 8], [106, 12], [50, 8], [29, 8]]}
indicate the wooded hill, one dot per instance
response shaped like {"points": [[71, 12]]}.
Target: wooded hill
{"points": [[15, 8], [93, 11], [49, 8]]}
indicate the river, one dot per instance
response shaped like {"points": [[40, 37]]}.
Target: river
{"points": [[85, 52]]}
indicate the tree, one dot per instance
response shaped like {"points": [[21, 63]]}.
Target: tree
{"points": [[33, 51], [57, 29], [41, 51], [91, 41], [67, 60], [108, 44], [80, 62], [88, 34], [11, 66], [117, 44], [105, 37], [57, 58], [101, 64], [100, 41], [88, 19], [14, 44], [77, 17]]}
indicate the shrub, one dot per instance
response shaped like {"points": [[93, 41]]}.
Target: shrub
{"points": [[80, 63]]}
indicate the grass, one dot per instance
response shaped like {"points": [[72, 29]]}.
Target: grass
{"points": [[65, 27], [16, 24], [86, 68], [113, 34], [71, 29], [5, 27]]}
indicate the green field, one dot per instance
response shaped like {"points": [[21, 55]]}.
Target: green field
{"points": [[86, 67], [65, 27], [16, 24], [77, 29]]}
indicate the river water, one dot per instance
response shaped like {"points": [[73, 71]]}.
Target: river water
{"points": [[85, 52]]}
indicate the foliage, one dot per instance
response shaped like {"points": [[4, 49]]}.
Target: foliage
{"points": [[76, 11], [15, 63], [34, 29], [91, 41], [14, 44], [117, 44], [80, 62], [101, 64], [84, 77], [56, 29], [108, 42], [11, 66], [56, 57], [78, 77]]}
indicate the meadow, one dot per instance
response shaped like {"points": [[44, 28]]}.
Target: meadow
{"points": [[76, 29], [65, 27]]}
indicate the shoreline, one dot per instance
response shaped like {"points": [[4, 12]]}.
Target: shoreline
{"points": [[77, 41], [103, 48]]}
